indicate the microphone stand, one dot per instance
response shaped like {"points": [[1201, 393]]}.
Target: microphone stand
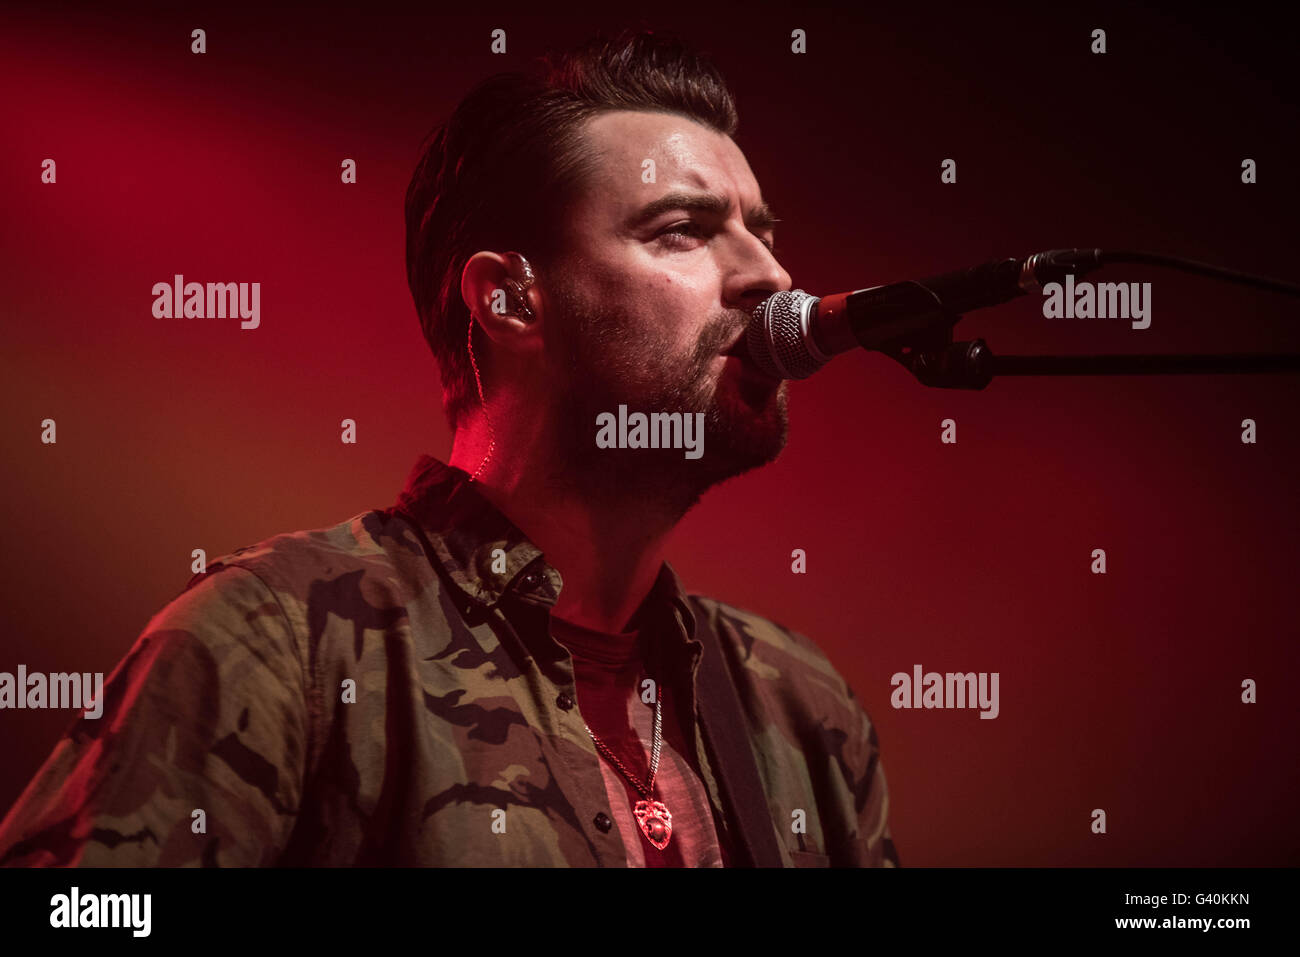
{"points": [[928, 351]]}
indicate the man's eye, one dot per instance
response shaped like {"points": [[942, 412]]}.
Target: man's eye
{"points": [[676, 234], [684, 229]]}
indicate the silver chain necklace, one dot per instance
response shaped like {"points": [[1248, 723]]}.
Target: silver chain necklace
{"points": [[653, 816]]}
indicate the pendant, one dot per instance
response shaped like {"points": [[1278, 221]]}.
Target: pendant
{"points": [[656, 823]]}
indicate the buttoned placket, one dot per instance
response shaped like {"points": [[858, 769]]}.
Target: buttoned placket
{"points": [[589, 778], [685, 667]]}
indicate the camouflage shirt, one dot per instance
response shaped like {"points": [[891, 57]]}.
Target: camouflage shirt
{"points": [[382, 693]]}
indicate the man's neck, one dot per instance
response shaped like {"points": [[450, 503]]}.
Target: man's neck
{"points": [[608, 549]]}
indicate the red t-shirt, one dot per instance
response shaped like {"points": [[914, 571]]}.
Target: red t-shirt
{"points": [[609, 671]]}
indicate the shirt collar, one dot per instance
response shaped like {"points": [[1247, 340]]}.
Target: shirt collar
{"points": [[463, 531]]}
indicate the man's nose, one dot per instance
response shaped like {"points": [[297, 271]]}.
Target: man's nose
{"points": [[756, 274]]}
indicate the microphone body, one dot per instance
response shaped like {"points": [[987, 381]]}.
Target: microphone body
{"points": [[794, 334]]}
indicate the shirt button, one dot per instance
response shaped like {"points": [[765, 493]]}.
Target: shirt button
{"points": [[565, 702], [603, 822]]}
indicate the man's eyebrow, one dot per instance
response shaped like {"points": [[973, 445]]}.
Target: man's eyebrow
{"points": [[756, 217]]}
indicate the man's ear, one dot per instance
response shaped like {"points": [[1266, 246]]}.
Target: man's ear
{"points": [[499, 291]]}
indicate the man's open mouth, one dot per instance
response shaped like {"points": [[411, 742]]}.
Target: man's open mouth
{"points": [[749, 369]]}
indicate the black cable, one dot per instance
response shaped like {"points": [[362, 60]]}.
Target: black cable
{"points": [[1201, 269]]}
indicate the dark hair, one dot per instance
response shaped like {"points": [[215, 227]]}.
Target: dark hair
{"points": [[496, 173]]}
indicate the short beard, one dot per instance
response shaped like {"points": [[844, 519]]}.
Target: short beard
{"points": [[604, 356]]}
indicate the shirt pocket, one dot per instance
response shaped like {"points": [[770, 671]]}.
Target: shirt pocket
{"points": [[809, 859]]}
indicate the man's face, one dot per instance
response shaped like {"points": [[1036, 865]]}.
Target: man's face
{"points": [[656, 286]]}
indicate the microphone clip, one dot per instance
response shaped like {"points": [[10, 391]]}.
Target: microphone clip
{"points": [[937, 361]]}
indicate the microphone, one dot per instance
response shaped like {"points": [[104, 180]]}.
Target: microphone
{"points": [[793, 334]]}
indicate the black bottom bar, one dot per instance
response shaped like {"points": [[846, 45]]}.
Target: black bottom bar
{"points": [[299, 911]]}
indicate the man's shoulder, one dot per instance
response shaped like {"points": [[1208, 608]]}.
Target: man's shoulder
{"points": [[816, 746], [304, 564], [770, 653]]}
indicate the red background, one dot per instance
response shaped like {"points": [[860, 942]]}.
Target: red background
{"points": [[1119, 691]]}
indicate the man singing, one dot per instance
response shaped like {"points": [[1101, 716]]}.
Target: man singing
{"points": [[501, 669]]}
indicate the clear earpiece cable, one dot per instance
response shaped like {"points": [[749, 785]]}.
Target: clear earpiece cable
{"points": [[492, 437]]}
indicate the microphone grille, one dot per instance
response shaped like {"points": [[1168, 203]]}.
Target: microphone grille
{"points": [[778, 336]]}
